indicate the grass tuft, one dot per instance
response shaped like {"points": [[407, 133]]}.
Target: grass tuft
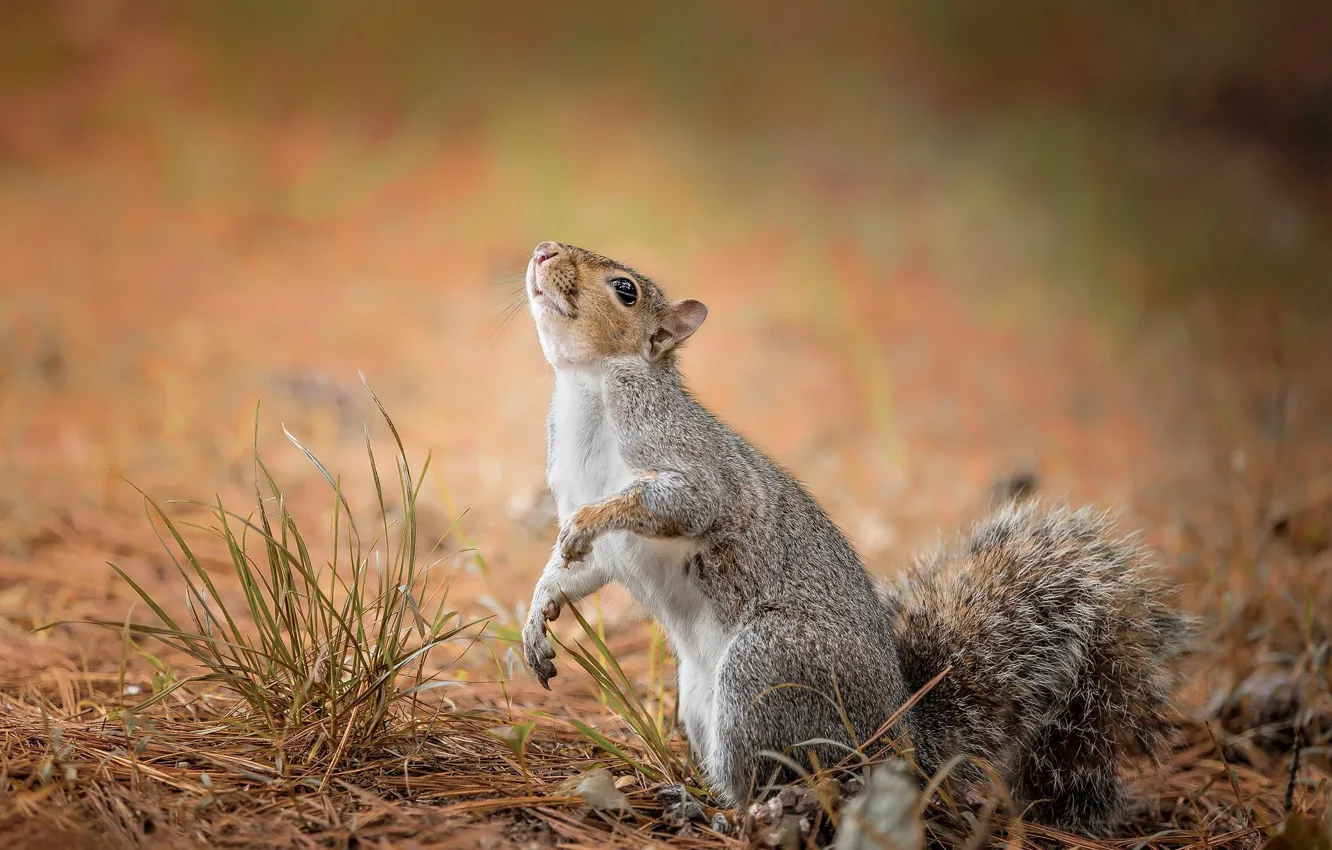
{"points": [[319, 656]]}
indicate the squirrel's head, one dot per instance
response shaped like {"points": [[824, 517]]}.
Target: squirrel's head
{"points": [[589, 308]]}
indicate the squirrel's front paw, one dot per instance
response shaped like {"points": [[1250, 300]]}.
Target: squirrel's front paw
{"points": [[536, 647], [575, 542]]}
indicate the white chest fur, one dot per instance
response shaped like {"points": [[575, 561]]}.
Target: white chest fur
{"points": [[586, 466], [585, 461]]}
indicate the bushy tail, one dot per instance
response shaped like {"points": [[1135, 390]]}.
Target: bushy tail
{"points": [[1063, 644]]}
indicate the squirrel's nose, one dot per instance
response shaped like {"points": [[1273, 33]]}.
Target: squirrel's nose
{"points": [[546, 251]]}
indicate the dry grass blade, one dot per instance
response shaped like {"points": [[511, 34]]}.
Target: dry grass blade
{"points": [[664, 763]]}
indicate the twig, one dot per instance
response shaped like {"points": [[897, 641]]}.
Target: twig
{"points": [[1230, 775], [1294, 764]]}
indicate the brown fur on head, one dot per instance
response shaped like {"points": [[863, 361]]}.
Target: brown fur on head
{"points": [[589, 308]]}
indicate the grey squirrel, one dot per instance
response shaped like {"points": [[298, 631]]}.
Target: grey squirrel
{"points": [[1058, 636]]}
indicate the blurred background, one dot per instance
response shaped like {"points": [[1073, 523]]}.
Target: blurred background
{"points": [[942, 242]]}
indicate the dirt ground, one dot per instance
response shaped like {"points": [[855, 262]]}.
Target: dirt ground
{"points": [[907, 303]]}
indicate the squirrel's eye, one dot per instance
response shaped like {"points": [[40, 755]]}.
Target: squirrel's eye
{"points": [[625, 290]]}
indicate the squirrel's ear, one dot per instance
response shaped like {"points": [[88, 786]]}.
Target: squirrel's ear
{"points": [[682, 318]]}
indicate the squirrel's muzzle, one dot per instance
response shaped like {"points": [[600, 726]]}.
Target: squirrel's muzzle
{"points": [[546, 251]]}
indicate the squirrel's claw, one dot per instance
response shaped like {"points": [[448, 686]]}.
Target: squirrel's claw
{"points": [[545, 674], [539, 660], [537, 649]]}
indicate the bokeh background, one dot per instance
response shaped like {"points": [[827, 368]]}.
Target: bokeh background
{"points": [[942, 242]]}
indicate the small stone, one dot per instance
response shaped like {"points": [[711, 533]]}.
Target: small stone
{"points": [[598, 790], [683, 810], [775, 826], [808, 805], [787, 834], [798, 799], [766, 813], [884, 814], [719, 824]]}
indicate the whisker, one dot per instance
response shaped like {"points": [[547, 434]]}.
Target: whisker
{"points": [[496, 337], [506, 299], [513, 314], [510, 305], [509, 315]]}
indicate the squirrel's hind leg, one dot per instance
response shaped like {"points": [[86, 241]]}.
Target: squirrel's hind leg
{"points": [[780, 691]]}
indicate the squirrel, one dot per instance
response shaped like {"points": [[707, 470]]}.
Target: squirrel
{"points": [[1057, 636]]}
